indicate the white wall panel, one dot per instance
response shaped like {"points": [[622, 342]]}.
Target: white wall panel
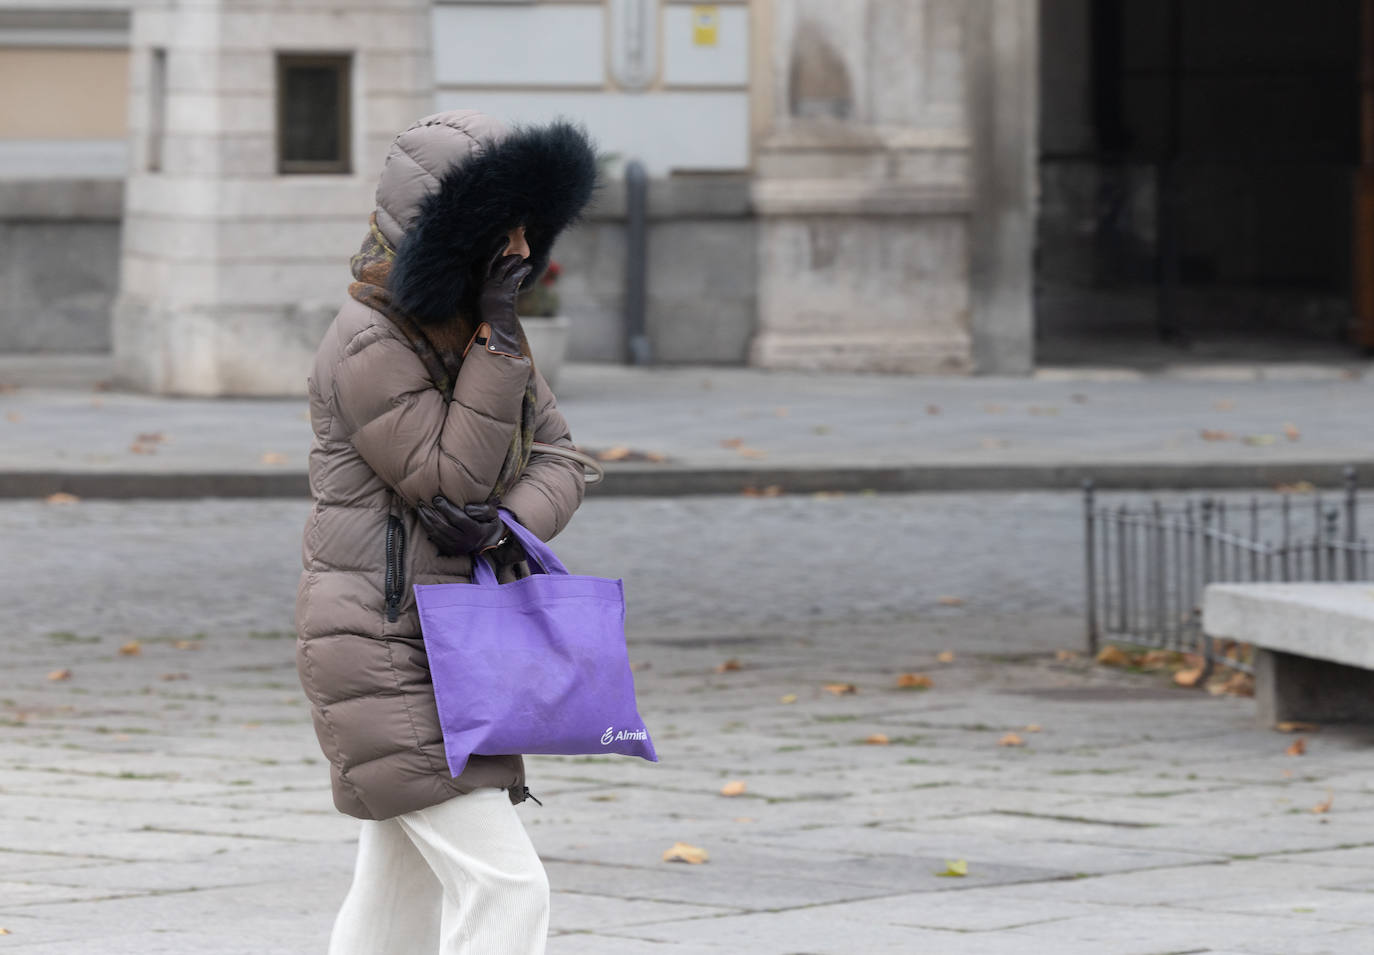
{"points": [[519, 45], [666, 131], [724, 64]]}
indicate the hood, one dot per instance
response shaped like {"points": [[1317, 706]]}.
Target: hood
{"points": [[455, 181]]}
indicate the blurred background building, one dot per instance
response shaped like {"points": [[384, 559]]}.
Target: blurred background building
{"points": [[921, 186]]}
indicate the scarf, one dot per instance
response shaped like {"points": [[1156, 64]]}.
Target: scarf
{"points": [[439, 347]]}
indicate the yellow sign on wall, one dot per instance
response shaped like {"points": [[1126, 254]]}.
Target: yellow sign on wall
{"points": [[706, 24]]}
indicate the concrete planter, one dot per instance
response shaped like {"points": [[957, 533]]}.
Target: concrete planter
{"points": [[548, 339]]}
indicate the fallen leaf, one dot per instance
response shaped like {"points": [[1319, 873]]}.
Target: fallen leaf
{"points": [[1324, 806], [176, 676], [732, 443], [728, 666], [1295, 727], [655, 457], [1033, 728], [735, 788], [954, 869], [1239, 684], [945, 656], [1287, 774], [933, 409], [840, 689], [273, 457], [60, 675], [682, 852], [1298, 748], [751, 453], [1209, 434], [1260, 440], [914, 681], [4, 931], [130, 649], [640, 665], [994, 409], [251, 726], [948, 601], [743, 819], [62, 497], [1188, 678], [186, 645], [618, 453], [123, 737], [1113, 656], [772, 490], [1158, 658], [877, 739], [1065, 656], [143, 449], [1011, 739], [1291, 432], [788, 698], [1225, 404]]}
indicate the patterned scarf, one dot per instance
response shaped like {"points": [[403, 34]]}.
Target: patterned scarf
{"points": [[440, 347]]}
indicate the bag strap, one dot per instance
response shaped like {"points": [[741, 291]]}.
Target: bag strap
{"points": [[536, 550]]}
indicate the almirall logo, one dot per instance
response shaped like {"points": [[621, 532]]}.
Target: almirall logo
{"points": [[612, 736]]}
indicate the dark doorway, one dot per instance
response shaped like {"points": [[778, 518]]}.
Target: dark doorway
{"points": [[1197, 172]]}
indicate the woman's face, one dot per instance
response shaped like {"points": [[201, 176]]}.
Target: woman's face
{"points": [[516, 244]]}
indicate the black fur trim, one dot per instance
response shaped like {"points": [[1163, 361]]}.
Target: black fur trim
{"points": [[541, 177]]}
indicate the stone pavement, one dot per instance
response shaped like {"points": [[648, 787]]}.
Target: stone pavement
{"points": [[723, 429], [174, 800]]}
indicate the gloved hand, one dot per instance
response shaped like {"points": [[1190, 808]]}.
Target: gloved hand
{"points": [[470, 529], [496, 302]]}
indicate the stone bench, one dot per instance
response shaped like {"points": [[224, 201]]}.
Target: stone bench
{"points": [[1314, 646]]}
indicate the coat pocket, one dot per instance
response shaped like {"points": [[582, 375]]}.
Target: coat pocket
{"points": [[395, 566]]}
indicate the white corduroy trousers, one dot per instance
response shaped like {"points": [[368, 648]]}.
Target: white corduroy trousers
{"points": [[457, 878]]}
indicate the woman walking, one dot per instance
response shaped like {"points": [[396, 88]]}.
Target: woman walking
{"points": [[425, 404]]}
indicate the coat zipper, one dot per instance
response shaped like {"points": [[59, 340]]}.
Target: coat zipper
{"points": [[395, 566]]}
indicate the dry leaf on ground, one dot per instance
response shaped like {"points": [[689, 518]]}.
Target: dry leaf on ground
{"points": [[735, 788], [954, 869], [1289, 726], [950, 601], [1297, 748], [840, 689], [788, 698], [618, 453], [877, 739], [728, 666], [1011, 739], [273, 457], [732, 443], [186, 645], [914, 681], [62, 497], [150, 437], [130, 649], [1065, 656], [1225, 404], [1210, 434], [63, 674], [945, 656], [1188, 678], [639, 665], [1033, 728], [1291, 432], [933, 409], [1325, 805], [1260, 440], [682, 852], [176, 676], [655, 457], [751, 453], [1113, 656]]}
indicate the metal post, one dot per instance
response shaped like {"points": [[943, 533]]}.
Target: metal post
{"points": [[1090, 543], [636, 262], [1352, 529]]}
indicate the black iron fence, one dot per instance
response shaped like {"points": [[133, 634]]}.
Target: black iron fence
{"points": [[1147, 565]]}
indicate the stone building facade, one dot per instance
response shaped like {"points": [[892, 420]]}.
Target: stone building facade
{"points": [[836, 184]]}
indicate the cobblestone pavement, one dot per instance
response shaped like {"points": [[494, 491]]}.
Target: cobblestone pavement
{"points": [[175, 801]]}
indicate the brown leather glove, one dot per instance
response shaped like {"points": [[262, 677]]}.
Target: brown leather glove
{"points": [[455, 531], [496, 302]]}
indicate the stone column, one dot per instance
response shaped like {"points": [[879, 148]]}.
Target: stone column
{"points": [[862, 187], [230, 271]]}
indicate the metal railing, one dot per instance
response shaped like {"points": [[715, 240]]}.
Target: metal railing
{"points": [[1147, 566]]}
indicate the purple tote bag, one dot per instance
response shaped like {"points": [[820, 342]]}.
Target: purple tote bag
{"points": [[533, 666]]}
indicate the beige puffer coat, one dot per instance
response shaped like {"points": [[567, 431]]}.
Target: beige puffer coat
{"points": [[384, 440]]}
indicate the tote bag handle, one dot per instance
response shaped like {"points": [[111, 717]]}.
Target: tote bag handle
{"points": [[538, 552]]}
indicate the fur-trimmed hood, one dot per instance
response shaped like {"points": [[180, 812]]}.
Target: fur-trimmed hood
{"points": [[453, 182]]}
